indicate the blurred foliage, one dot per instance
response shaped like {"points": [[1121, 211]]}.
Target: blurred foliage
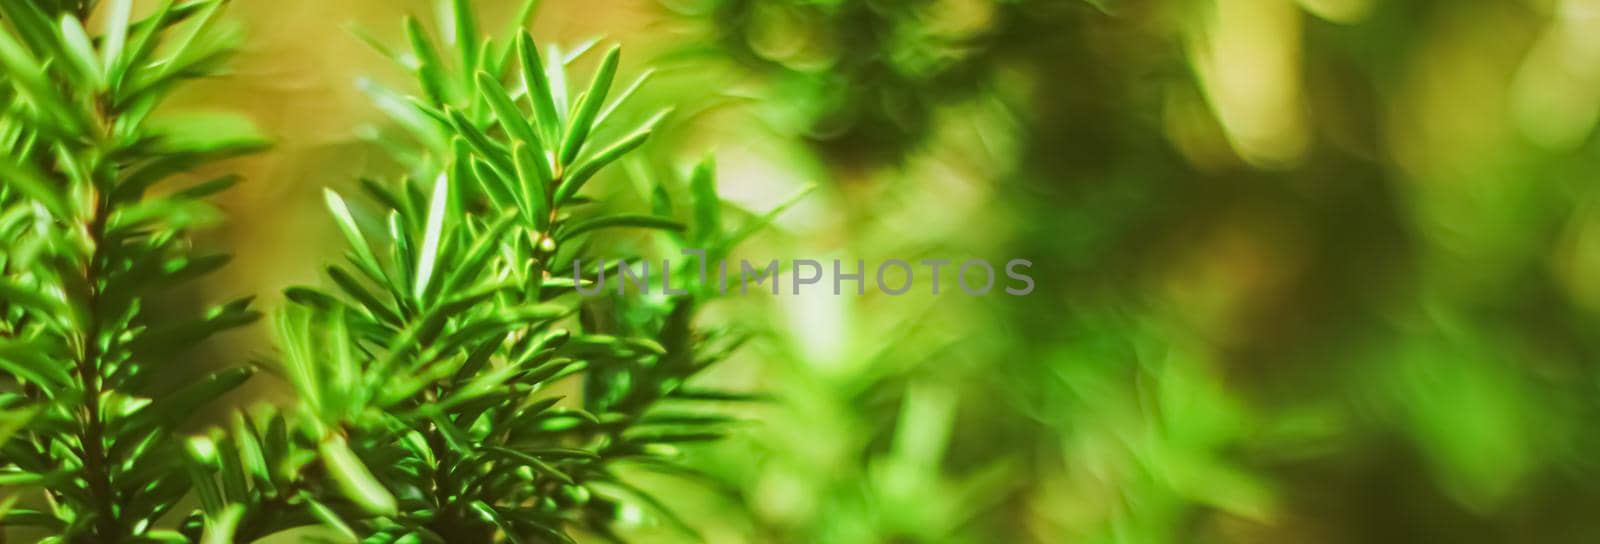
{"points": [[1308, 269]]}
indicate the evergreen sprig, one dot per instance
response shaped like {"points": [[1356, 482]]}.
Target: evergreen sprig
{"points": [[428, 377], [89, 242]]}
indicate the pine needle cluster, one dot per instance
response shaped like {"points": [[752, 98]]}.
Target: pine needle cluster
{"points": [[449, 385]]}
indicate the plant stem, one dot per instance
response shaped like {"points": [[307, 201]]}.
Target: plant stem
{"points": [[96, 466], [96, 463]]}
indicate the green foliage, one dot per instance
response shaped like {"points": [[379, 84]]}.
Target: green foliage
{"points": [[865, 80], [429, 378], [426, 406], [90, 241]]}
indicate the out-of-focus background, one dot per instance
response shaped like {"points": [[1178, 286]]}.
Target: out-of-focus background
{"points": [[1306, 271]]}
